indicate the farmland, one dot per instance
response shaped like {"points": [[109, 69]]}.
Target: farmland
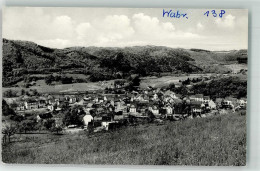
{"points": [[61, 87], [214, 140], [153, 81]]}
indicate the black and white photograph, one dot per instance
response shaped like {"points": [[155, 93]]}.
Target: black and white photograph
{"points": [[124, 86]]}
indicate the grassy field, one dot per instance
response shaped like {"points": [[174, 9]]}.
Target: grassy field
{"points": [[43, 88], [167, 80], [237, 67], [216, 140]]}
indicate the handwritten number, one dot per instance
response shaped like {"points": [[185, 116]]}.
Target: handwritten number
{"points": [[206, 13], [214, 13], [222, 13]]}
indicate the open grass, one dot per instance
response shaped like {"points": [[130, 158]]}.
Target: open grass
{"points": [[216, 140], [167, 80], [43, 88]]}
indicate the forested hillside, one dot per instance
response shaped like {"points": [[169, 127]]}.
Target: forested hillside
{"points": [[21, 58]]}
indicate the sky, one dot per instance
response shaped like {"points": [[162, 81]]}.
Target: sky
{"points": [[120, 27]]}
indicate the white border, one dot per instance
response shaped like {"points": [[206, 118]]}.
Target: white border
{"points": [[253, 111]]}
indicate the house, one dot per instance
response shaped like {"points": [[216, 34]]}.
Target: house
{"points": [[212, 105], [229, 102], [196, 106], [219, 101], [83, 102], [72, 99], [155, 97], [42, 103], [242, 102], [99, 99], [177, 96], [206, 99], [199, 97], [119, 117], [169, 110], [154, 110], [50, 107], [97, 118], [57, 101], [192, 97], [105, 124], [90, 105], [31, 104], [99, 110], [20, 106], [87, 119], [120, 106], [168, 99], [132, 109], [169, 93], [87, 98], [139, 97]]}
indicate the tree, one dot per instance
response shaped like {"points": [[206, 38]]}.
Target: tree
{"points": [[64, 106], [35, 92], [17, 118], [66, 80], [134, 81], [49, 79], [27, 125], [49, 123], [10, 93], [150, 115], [56, 129], [8, 131], [172, 87], [6, 109], [73, 116], [22, 92]]}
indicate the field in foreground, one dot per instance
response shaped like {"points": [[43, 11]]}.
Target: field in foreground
{"points": [[217, 140]]}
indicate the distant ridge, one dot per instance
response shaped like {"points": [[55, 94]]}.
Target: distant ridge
{"points": [[25, 57]]}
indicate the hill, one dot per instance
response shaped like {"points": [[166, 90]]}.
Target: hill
{"points": [[215, 140], [217, 56], [21, 58]]}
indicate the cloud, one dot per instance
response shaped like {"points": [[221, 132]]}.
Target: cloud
{"points": [[82, 30], [64, 27], [226, 22], [200, 26], [111, 29], [114, 28], [61, 28], [152, 27]]}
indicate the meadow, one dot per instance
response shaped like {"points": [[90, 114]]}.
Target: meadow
{"points": [[215, 140], [42, 87], [167, 80]]}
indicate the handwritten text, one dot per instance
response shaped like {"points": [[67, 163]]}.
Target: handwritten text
{"points": [[173, 14]]}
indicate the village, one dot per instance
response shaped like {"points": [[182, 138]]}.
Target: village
{"points": [[104, 110]]}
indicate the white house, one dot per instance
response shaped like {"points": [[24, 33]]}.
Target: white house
{"points": [[212, 105], [50, 107], [87, 119], [169, 110], [105, 125], [33, 104], [154, 110], [206, 99], [132, 109]]}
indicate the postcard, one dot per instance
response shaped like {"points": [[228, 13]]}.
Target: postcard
{"points": [[124, 86]]}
